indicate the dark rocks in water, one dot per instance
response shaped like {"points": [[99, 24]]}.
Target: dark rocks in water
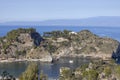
{"points": [[54, 60], [6, 76], [37, 38], [116, 55]]}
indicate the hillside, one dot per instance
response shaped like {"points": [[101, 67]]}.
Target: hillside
{"points": [[27, 44]]}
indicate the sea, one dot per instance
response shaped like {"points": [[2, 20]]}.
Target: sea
{"points": [[52, 69], [112, 32]]}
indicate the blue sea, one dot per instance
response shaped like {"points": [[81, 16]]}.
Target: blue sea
{"points": [[112, 32]]}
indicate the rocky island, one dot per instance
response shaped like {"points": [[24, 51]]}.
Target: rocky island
{"points": [[28, 45]]}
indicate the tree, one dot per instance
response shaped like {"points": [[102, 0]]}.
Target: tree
{"points": [[31, 73]]}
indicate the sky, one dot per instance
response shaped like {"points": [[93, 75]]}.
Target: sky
{"points": [[39, 10]]}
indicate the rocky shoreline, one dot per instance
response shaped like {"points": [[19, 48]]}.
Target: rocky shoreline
{"points": [[22, 60], [50, 59]]}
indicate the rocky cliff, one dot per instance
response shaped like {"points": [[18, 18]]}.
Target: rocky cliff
{"points": [[83, 43], [29, 44]]}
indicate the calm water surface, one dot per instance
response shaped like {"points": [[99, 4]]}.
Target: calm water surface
{"points": [[51, 69]]}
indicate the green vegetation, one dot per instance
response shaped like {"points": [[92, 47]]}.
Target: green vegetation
{"points": [[90, 74], [65, 43], [51, 48], [31, 73], [1, 39], [43, 76], [83, 67], [96, 70], [57, 34], [6, 45], [66, 74], [117, 71], [107, 71], [12, 35]]}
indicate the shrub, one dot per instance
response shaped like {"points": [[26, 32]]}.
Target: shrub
{"points": [[83, 67], [57, 34], [117, 71], [65, 73], [43, 76], [90, 74], [51, 48], [107, 71], [31, 73]]}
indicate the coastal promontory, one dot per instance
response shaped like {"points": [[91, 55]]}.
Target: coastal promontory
{"points": [[28, 44]]}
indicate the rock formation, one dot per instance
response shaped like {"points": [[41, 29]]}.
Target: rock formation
{"points": [[29, 44]]}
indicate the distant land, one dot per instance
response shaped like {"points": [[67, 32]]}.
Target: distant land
{"points": [[111, 21]]}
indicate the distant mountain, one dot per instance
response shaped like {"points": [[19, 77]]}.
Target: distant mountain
{"points": [[92, 21]]}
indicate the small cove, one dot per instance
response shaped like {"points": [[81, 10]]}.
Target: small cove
{"points": [[50, 69]]}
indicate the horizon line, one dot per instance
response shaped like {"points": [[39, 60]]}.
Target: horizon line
{"points": [[54, 19]]}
